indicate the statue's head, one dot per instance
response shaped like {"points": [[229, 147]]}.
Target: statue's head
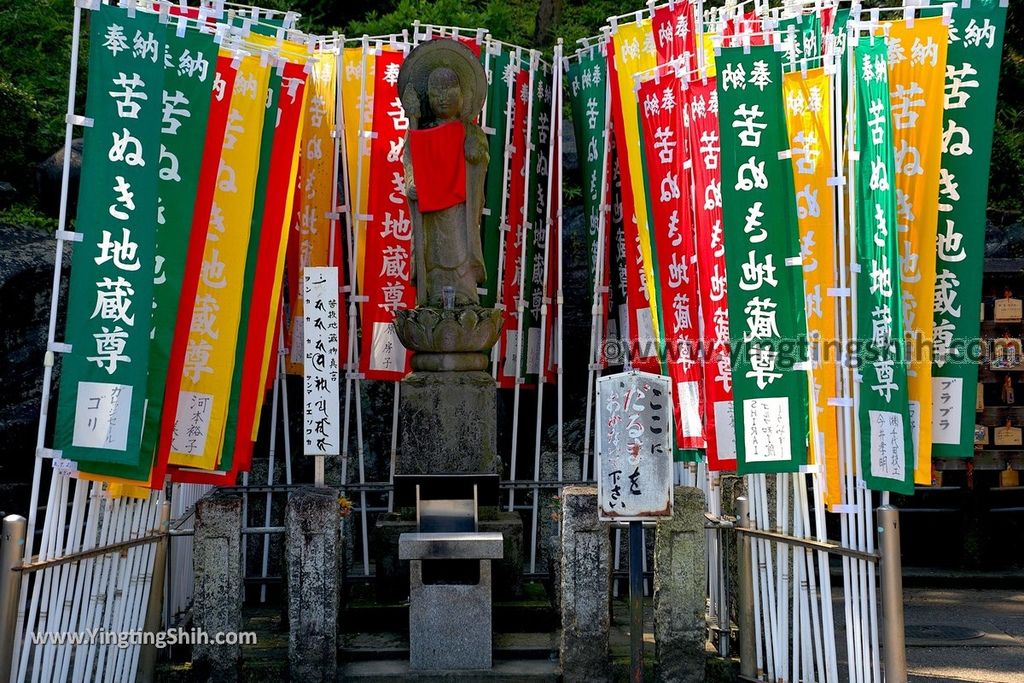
{"points": [[444, 78], [444, 93]]}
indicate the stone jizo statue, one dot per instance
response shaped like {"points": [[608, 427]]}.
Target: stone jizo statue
{"points": [[443, 87]]}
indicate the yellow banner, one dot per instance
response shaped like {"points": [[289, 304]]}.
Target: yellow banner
{"points": [[917, 67], [808, 120], [316, 164], [296, 54], [357, 108], [708, 43], [635, 52], [205, 388]]}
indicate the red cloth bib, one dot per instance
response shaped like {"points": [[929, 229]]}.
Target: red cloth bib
{"points": [[439, 165]]}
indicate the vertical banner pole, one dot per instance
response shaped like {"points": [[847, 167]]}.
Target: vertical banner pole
{"points": [[503, 224], [519, 302], [154, 609], [892, 594], [556, 123], [553, 139], [44, 401], [596, 332], [636, 602], [12, 538], [745, 590]]}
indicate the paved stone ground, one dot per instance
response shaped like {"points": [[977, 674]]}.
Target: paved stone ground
{"points": [[997, 656], [954, 635]]}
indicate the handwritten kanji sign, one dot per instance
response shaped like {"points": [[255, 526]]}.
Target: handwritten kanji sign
{"points": [[634, 446], [321, 432]]}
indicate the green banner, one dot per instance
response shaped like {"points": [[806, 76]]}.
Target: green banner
{"points": [[588, 100], [886, 440], [768, 333], [190, 64], [501, 73], [618, 313], [805, 29], [103, 379], [972, 80]]}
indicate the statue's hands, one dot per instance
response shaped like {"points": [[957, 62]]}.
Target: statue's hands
{"points": [[411, 105]]}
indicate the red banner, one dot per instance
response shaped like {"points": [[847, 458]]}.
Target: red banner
{"points": [[673, 33], [273, 239], [388, 254], [515, 238], [702, 103], [668, 177], [638, 336], [220, 106]]}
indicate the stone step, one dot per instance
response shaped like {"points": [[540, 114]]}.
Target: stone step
{"points": [[394, 645], [532, 613], [507, 670]]}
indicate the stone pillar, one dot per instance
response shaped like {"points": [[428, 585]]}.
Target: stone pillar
{"points": [[679, 565], [586, 582], [219, 585], [312, 550], [447, 424]]}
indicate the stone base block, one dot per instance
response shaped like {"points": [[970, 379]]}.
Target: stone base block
{"points": [[217, 600], [447, 424], [311, 547], [393, 574], [449, 624]]}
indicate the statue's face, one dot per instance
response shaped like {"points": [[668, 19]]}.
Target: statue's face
{"points": [[444, 93]]}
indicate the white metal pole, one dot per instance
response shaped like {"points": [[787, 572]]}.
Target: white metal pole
{"points": [[515, 59], [597, 315], [524, 229], [553, 143]]}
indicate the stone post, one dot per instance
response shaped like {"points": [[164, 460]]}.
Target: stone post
{"points": [[679, 565], [219, 588], [311, 556], [586, 582]]}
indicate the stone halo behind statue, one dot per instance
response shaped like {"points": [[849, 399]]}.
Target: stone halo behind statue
{"points": [[445, 53], [448, 330]]}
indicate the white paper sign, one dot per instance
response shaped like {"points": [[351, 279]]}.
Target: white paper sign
{"points": [[102, 413], [322, 362], [511, 354], [1008, 309], [947, 409], [533, 351], [645, 332], [295, 351], [634, 446], [887, 450], [192, 423], [386, 349], [915, 426], [766, 429], [688, 395], [725, 429]]}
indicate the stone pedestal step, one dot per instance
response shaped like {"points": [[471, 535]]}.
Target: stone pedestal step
{"points": [[508, 617], [508, 671], [393, 645]]}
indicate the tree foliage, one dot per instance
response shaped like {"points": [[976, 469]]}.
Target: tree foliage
{"points": [[35, 43]]}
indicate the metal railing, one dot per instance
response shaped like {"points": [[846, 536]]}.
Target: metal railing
{"points": [[13, 571]]}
